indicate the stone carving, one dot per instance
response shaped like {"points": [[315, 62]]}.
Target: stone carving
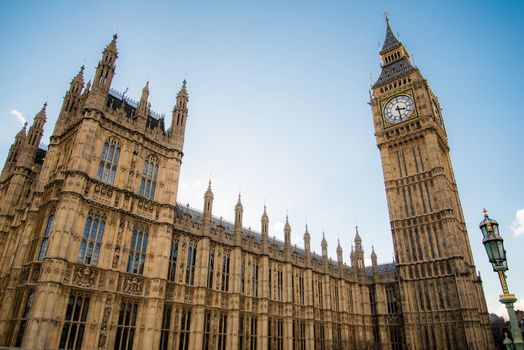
{"points": [[84, 276], [116, 256], [103, 328], [133, 286]]}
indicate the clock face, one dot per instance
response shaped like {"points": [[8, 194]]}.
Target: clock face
{"points": [[399, 108]]}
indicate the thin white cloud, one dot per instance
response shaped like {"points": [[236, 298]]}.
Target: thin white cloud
{"points": [[518, 224], [18, 115], [502, 311]]}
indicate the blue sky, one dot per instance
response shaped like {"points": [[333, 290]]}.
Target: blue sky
{"points": [[278, 101]]}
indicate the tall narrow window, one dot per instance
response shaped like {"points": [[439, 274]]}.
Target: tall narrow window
{"points": [[254, 279], [185, 328], [279, 285], [108, 162], [75, 321], [241, 332], [269, 284], [299, 335], [292, 288], [253, 334], [320, 297], [242, 276], [301, 288], [149, 174], [125, 331], [92, 239], [280, 334], [319, 335], [210, 268], [24, 318], [373, 300], [137, 250], [334, 296], [207, 330], [225, 272], [47, 233], [222, 332], [166, 326], [190, 264], [173, 256]]}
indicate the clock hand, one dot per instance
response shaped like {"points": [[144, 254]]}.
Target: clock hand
{"points": [[398, 109]]}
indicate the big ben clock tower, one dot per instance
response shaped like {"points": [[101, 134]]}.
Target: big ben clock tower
{"points": [[442, 298]]}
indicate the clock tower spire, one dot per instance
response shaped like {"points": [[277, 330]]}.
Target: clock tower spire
{"points": [[432, 250]]}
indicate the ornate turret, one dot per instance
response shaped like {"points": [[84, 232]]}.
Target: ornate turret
{"points": [[106, 67], [178, 123], [264, 226], [357, 255], [37, 129], [208, 208], [239, 210], [72, 102], [374, 262], [287, 235], [14, 151], [142, 109], [324, 247], [104, 74], [307, 243], [340, 257]]}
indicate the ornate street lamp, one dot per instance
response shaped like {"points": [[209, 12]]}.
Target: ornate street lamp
{"points": [[494, 245]]}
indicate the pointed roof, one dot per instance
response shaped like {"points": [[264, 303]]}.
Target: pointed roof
{"points": [[391, 40], [79, 77], [287, 226], [22, 133], [339, 248], [239, 203], [209, 191], [42, 113], [396, 68], [112, 45], [264, 214], [357, 236], [183, 90], [306, 233], [324, 242], [373, 254]]}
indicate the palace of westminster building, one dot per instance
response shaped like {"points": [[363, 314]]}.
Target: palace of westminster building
{"points": [[96, 253]]}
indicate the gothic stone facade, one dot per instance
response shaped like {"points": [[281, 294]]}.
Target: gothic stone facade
{"points": [[96, 253]]}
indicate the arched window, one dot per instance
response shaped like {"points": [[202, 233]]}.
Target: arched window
{"points": [[190, 264], [225, 272], [108, 162], [92, 239], [137, 250], [47, 233], [149, 174], [211, 268], [172, 260]]}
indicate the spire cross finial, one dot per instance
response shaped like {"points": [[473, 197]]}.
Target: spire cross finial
{"points": [[485, 212], [386, 17]]}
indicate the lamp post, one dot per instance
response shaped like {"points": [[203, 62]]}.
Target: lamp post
{"points": [[494, 245]]}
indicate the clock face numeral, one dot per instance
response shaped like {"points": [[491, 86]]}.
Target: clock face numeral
{"points": [[399, 108]]}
